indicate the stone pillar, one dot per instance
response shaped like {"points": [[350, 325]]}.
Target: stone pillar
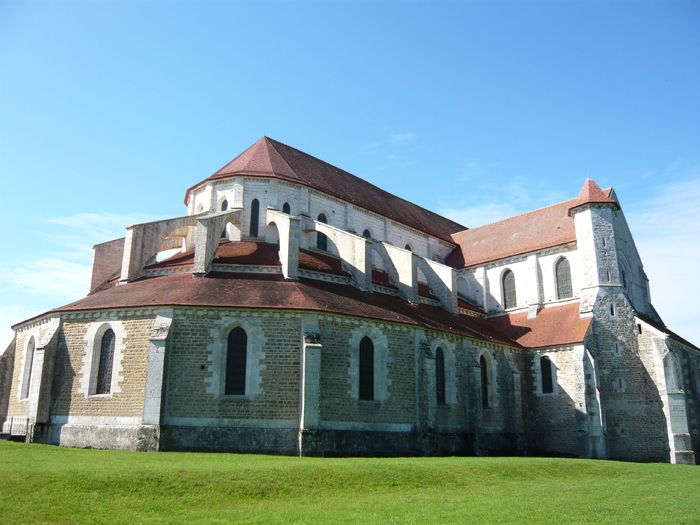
{"points": [[534, 299], [155, 370], [41, 383], [207, 239], [674, 406], [427, 397], [289, 230], [310, 439]]}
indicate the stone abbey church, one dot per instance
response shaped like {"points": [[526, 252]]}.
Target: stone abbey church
{"points": [[309, 312]]}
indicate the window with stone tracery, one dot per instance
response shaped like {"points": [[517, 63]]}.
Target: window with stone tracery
{"points": [[509, 297], [106, 363], [563, 274]]}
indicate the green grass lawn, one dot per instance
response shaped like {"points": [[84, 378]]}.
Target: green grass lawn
{"points": [[44, 484]]}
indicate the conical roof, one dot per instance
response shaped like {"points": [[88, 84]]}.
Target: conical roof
{"points": [[592, 194], [270, 158]]}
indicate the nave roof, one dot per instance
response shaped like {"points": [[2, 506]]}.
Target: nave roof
{"points": [[270, 158]]}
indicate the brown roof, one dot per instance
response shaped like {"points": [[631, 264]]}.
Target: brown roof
{"points": [[557, 325], [234, 290], [258, 253], [531, 231], [528, 232], [592, 194], [269, 158]]}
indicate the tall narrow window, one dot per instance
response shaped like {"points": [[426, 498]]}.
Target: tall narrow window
{"points": [[624, 279], [28, 363], [104, 369], [224, 207], [366, 369], [286, 208], [440, 376], [236, 357], [546, 370], [484, 382], [254, 217], [563, 272], [509, 298], [321, 239]]}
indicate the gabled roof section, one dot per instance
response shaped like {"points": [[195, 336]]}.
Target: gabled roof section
{"points": [[558, 325], [269, 158], [525, 233], [535, 230], [592, 194]]}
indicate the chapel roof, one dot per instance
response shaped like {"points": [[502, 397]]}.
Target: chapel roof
{"points": [[553, 326], [243, 290], [270, 158], [535, 230]]}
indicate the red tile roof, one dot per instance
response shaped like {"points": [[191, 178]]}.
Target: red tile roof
{"points": [[557, 325], [258, 253], [269, 158], [592, 194], [233, 290], [529, 232]]}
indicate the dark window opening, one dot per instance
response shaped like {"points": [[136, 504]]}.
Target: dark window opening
{"points": [[104, 371], [224, 205], [484, 383], [440, 376], [366, 234], [254, 217], [286, 208], [366, 369], [408, 247], [509, 297], [321, 239], [546, 369], [236, 357]]}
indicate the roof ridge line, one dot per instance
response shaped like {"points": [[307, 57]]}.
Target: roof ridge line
{"points": [[518, 215]]}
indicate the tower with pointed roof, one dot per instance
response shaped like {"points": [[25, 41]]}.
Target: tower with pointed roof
{"points": [[303, 310]]}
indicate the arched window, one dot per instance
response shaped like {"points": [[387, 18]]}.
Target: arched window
{"points": [[104, 369], [440, 376], [321, 239], [563, 271], [366, 234], [509, 298], [546, 371], [366, 369], [254, 217], [236, 357], [623, 276], [224, 207], [28, 363], [484, 382], [408, 247], [286, 208]]}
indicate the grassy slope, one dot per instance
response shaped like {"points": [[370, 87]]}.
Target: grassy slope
{"points": [[43, 484]]}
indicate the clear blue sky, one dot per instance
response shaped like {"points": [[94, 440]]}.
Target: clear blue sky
{"points": [[110, 110]]}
